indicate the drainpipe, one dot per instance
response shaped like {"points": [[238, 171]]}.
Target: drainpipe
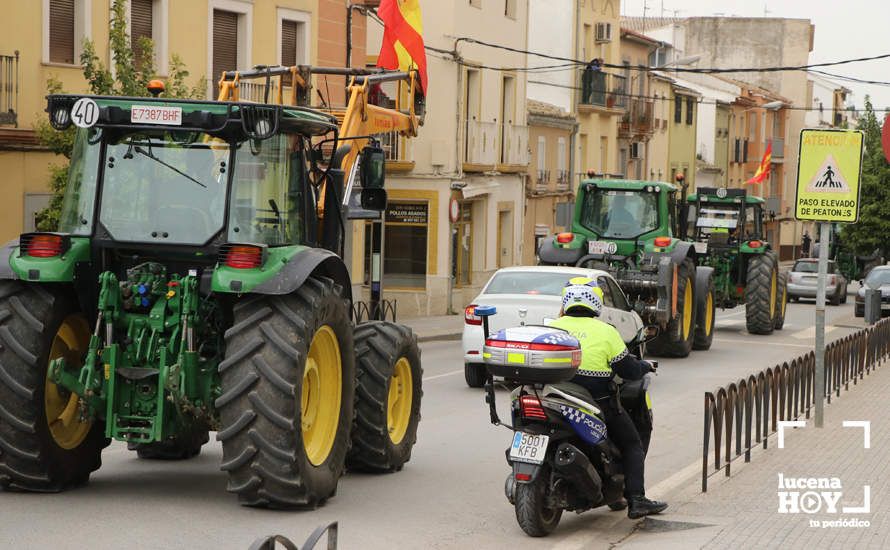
{"points": [[459, 170]]}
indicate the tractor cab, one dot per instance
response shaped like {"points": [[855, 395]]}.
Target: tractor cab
{"points": [[725, 219]]}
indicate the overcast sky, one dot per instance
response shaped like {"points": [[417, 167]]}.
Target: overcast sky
{"points": [[844, 30]]}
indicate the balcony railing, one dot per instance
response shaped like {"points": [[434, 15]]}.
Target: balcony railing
{"points": [[542, 180], [601, 89], [480, 145], [514, 145], [638, 120], [396, 147], [563, 178], [9, 89]]}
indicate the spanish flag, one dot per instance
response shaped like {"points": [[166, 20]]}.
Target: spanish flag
{"points": [[762, 172], [402, 46]]}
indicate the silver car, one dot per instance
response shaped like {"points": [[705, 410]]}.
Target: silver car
{"points": [[802, 281], [879, 277]]}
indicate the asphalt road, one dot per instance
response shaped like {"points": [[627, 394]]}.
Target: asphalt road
{"points": [[449, 496]]}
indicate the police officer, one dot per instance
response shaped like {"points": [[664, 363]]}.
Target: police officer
{"points": [[603, 355]]}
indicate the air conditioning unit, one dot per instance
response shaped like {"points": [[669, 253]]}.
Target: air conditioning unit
{"points": [[603, 32], [636, 150]]}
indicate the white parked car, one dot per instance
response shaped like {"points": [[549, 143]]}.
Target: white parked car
{"points": [[532, 295]]}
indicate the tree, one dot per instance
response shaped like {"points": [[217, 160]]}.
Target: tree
{"points": [[130, 78], [871, 231]]}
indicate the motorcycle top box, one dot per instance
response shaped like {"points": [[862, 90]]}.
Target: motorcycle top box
{"points": [[532, 354]]}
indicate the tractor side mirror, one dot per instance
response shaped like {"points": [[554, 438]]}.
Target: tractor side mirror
{"points": [[373, 168]]}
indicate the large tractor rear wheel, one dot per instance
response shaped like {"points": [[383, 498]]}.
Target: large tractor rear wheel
{"points": [[782, 301], [288, 388], [676, 339], [705, 309], [388, 388], [761, 294], [46, 444]]}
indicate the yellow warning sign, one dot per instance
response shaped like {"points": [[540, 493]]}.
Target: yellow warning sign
{"points": [[828, 173]]}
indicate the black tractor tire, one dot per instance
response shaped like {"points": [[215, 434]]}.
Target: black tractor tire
{"points": [[262, 378], [844, 295], [859, 310], [30, 457], [377, 446], [530, 504], [705, 309], [475, 374], [671, 342], [760, 301], [181, 447], [781, 302]]}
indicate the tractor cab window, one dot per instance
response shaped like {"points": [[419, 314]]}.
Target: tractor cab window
{"points": [[754, 222], [717, 222], [164, 187], [268, 191], [620, 214], [76, 216]]}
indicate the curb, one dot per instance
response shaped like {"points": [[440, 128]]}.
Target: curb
{"points": [[439, 337]]}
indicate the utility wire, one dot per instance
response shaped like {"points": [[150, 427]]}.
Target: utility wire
{"points": [[677, 69]]}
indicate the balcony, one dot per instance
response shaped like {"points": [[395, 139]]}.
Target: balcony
{"points": [[602, 92], [542, 181], [514, 148], [563, 180], [398, 151], [9, 89], [638, 120], [480, 146]]}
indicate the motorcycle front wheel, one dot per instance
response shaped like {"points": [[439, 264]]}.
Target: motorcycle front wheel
{"points": [[532, 513]]}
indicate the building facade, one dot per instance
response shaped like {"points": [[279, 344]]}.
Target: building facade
{"points": [[549, 194], [637, 125], [208, 35], [473, 148], [682, 135]]}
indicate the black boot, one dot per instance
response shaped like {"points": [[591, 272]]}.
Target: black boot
{"points": [[640, 506], [618, 505]]}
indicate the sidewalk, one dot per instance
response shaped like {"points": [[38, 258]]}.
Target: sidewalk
{"points": [[742, 511], [439, 327]]}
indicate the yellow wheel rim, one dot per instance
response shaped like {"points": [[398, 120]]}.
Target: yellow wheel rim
{"points": [[320, 395], [709, 313], [398, 403], [772, 295], [687, 310], [63, 417]]}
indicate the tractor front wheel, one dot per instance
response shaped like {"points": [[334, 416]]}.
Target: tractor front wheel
{"points": [[46, 442], [761, 294], [676, 339], [388, 387], [288, 388]]}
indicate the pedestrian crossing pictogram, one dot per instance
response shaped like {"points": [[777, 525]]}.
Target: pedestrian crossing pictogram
{"points": [[828, 178]]}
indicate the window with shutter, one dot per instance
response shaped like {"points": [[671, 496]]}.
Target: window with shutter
{"points": [[61, 31], [288, 47], [690, 110], [141, 15], [225, 45], [678, 109]]}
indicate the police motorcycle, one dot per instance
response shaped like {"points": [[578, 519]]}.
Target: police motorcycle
{"points": [[560, 454]]}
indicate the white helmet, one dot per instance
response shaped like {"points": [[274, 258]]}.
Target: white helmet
{"points": [[582, 292]]}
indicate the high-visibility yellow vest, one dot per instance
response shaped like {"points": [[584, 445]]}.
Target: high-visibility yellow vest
{"points": [[601, 344]]}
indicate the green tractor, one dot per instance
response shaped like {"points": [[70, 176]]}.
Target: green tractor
{"points": [[727, 232], [196, 284], [629, 228]]}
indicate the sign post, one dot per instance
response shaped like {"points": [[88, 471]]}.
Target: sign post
{"points": [[828, 173]]}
